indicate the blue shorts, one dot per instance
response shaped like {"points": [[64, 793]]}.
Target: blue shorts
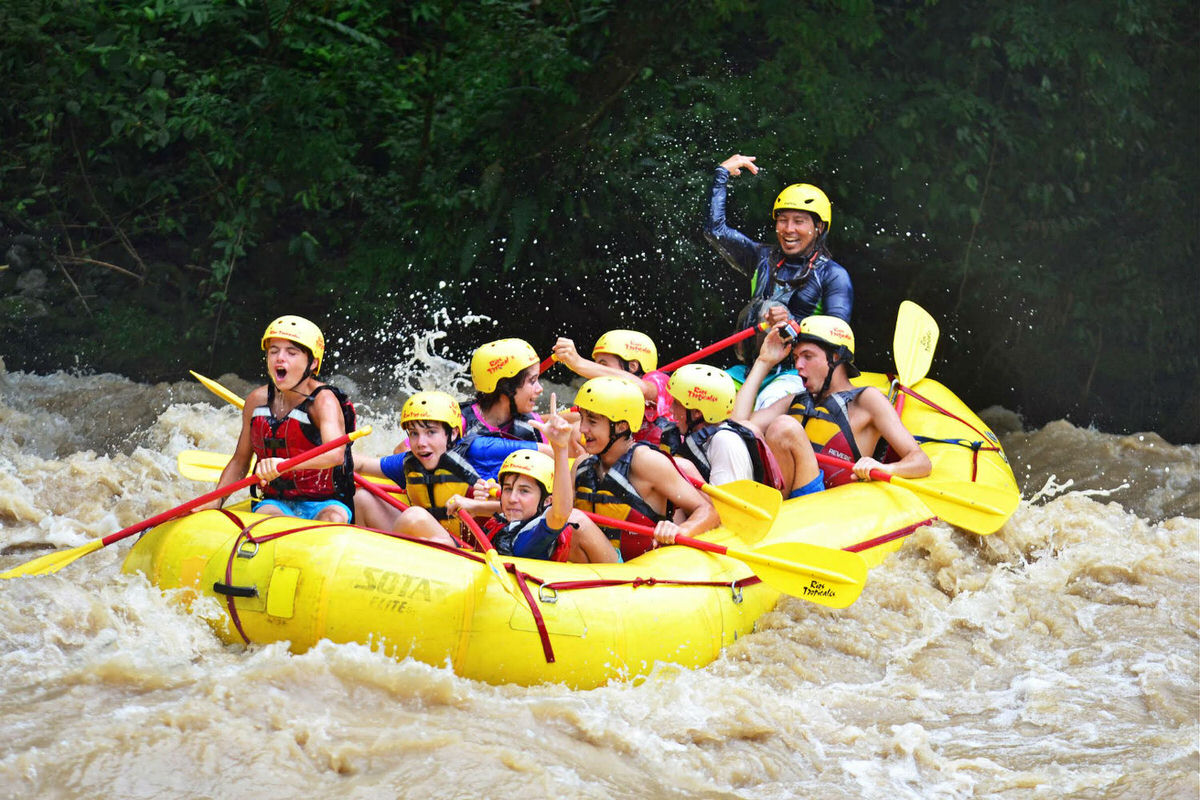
{"points": [[817, 484], [302, 509]]}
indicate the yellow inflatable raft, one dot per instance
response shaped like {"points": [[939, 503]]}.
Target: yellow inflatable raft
{"points": [[283, 579]]}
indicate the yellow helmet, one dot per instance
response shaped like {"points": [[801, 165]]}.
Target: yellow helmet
{"points": [[534, 463], [302, 332], [804, 197], [831, 333], [432, 407], [705, 389], [629, 346], [503, 358], [615, 398]]}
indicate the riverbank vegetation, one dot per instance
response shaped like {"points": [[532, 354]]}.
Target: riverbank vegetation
{"points": [[177, 172]]}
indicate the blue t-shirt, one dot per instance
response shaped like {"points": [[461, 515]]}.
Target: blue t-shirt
{"points": [[485, 453]]}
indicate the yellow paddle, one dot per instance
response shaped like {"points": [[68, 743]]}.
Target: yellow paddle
{"points": [[205, 465], [745, 507], [219, 390], [833, 578], [971, 506], [730, 494], [53, 562], [914, 342], [975, 507]]}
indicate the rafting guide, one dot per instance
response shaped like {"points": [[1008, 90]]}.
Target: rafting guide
{"points": [[798, 269]]}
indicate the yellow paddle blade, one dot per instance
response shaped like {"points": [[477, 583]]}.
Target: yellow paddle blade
{"points": [[53, 562], [974, 507], [914, 342], [746, 508], [492, 559], [201, 465], [219, 390], [734, 498], [833, 578], [205, 465]]}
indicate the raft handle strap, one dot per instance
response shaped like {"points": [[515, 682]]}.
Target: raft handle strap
{"points": [[235, 591], [547, 594], [737, 593], [243, 551]]}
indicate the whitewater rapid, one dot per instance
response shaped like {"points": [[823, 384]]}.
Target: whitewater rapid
{"points": [[1058, 657]]}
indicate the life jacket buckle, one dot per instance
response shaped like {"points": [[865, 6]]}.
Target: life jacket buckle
{"points": [[737, 593], [547, 594], [247, 552]]}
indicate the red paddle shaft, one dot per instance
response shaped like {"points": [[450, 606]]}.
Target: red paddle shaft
{"points": [[714, 347], [834, 461], [696, 356], [225, 491]]}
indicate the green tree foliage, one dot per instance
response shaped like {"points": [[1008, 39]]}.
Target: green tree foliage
{"points": [[1025, 170]]}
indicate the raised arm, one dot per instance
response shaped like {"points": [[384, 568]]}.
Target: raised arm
{"points": [[570, 357], [561, 432], [739, 250], [772, 351]]}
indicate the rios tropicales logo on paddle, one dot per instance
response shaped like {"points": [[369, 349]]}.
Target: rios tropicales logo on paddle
{"points": [[817, 589]]}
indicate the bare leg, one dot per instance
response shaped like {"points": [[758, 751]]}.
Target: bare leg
{"points": [[788, 441], [333, 514], [420, 524], [372, 512], [589, 545]]}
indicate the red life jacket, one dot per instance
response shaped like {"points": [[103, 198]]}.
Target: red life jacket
{"points": [[828, 428], [293, 435]]}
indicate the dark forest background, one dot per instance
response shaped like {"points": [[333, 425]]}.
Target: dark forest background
{"points": [[176, 173]]}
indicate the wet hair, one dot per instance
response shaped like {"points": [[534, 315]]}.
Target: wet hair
{"points": [[505, 387], [449, 431]]}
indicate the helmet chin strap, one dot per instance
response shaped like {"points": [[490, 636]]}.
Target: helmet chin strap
{"points": [[613, 436], [832, 362]]}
